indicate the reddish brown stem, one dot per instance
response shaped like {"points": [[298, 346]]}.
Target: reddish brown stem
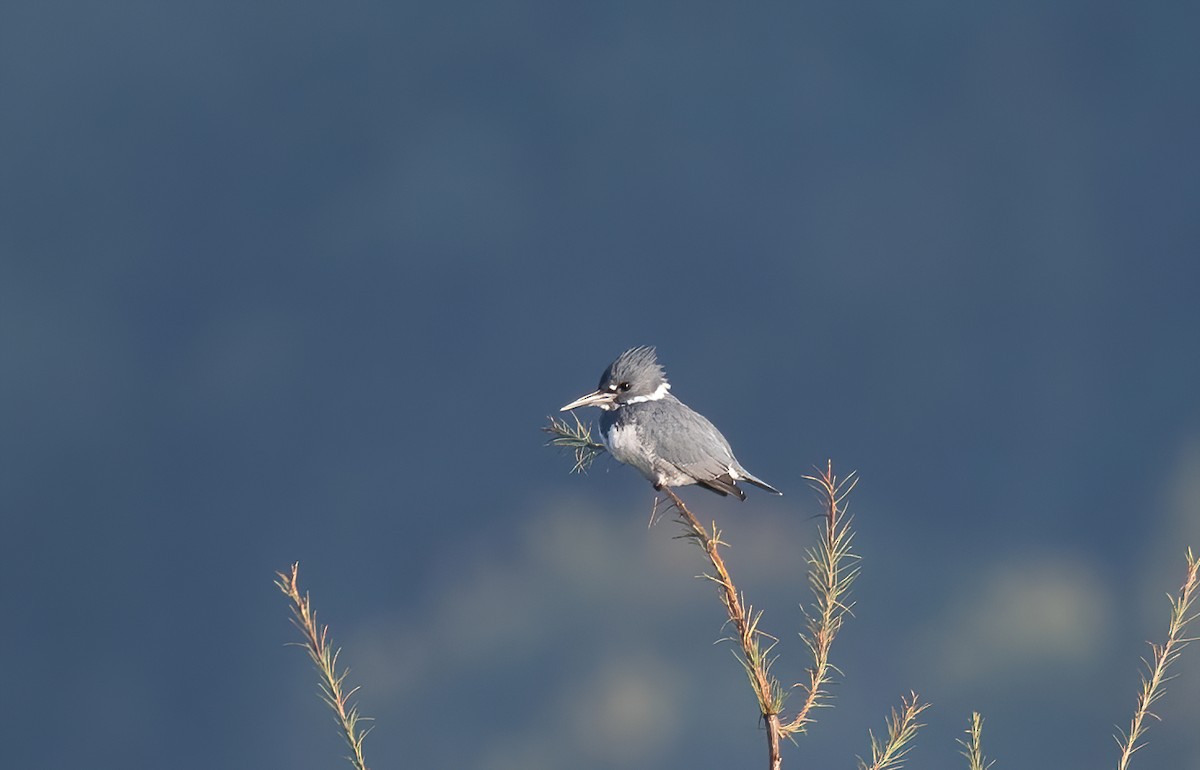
{"points": [[746, 632]]}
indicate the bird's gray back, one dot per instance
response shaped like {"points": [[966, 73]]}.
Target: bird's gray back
{"points": [[669, 432]]}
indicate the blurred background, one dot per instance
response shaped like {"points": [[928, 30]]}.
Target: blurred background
{"points": [[301, 281]]}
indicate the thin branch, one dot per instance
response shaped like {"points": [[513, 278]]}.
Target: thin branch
{"points": [[973, 744], [832, 570], [902, 727], [578, 438], [831, 574], [324, 657], [1162, 656], [755, 658]]}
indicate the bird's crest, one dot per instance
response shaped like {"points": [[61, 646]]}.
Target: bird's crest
{"points": [[636, 362]]}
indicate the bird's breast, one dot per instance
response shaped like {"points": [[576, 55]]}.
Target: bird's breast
{"points": [[623, 442]]}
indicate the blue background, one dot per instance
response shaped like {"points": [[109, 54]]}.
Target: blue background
{"points": [[301, 281]]}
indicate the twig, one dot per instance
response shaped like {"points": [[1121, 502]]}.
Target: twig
{"points": [[324, 657], [832, 571], [755, 658], [577, 438], [902, 727], [1162, 656], [973, 744], [830, 576]]}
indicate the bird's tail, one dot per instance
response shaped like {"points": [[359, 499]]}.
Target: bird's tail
{"points": [[756, 481]]}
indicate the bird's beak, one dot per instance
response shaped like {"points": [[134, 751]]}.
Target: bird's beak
{"points": [[600, 398]]}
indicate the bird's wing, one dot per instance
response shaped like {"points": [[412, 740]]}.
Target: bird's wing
{"points": [[688, 441], [723, 486]]}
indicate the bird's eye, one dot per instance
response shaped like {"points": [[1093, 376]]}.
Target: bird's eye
{"points": [[623, 387]]}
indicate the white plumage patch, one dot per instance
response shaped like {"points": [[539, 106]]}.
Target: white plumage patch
{"points": [[622, 440], [658, 393]]}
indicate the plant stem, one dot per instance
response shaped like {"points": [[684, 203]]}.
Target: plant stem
{"points": [[324, 657], [1163, 655], [831, 574], [765, 688]]}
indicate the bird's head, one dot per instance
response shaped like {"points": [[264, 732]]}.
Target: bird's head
{"points": [[633, 377]]}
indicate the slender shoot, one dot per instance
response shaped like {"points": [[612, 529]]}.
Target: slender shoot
{"points": [[832, 569], [755, 655], [1161, 657], [973, 745], [902, 727], [324, 657], [578, 438]]}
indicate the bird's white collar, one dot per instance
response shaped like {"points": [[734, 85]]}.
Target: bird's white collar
{"points": [[658, 394]]}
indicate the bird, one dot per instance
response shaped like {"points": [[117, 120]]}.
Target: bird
{"points": [[647, 427]]}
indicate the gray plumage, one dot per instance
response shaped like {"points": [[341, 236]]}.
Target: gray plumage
{"points": [[648, 428]]}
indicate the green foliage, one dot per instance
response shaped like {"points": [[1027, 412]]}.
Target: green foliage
{"points": [[578, 438]]}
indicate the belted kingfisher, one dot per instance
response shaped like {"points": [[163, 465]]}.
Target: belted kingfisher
{"points": [[647, 427]]}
